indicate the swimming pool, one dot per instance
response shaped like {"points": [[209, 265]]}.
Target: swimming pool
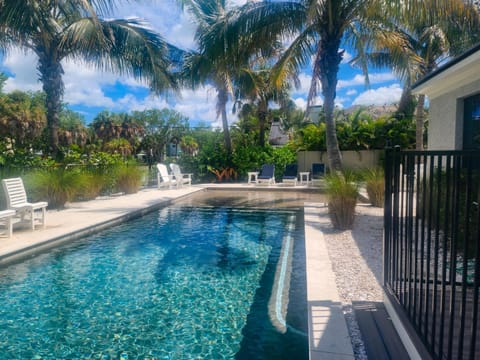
{"points": [[180, 283]]}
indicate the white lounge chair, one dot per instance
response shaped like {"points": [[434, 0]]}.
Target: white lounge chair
{"points": [[164, 179], [180, 178], [6, 216], [16, 198]]}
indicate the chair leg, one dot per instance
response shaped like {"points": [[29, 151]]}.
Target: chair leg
{"points": [[44, 217], [32, 218], [9, 226]]}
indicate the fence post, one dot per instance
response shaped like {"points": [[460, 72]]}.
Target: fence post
{"points": [[387, 212]]}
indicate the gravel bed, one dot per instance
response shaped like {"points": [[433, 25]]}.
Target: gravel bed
{"points": [[356, 257]]}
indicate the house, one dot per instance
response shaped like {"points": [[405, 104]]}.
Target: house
{"points": [[277, 136], [454, 94]]}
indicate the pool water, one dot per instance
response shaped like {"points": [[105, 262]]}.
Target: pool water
{"points": [[179, 283]]}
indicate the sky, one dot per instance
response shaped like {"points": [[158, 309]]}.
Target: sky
{"points": [[89, 91]]}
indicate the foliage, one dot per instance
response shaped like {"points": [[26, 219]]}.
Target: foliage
{"points": [[310, 138], [80, 30], [22, 118], [160, 126], [342, 191], [119, 146], [56, 185], [375, 185], [72, 129], [359, 134], [129, 178]]}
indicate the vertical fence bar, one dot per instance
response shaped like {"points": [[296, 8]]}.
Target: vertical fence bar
{"points": [[453, 251], [443, 299], [466, 235], [476, 281], [410, 175], [396, 222], [387, 219], [438, 182], [418, 267], [402, 237]]}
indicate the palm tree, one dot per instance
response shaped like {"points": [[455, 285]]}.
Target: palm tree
{"points": [[210, 64], [258, 87], [316, 29], [414, 46], [59, 30], [221, 52]]}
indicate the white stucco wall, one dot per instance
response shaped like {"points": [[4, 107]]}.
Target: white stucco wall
{"points": [[445, 128]]}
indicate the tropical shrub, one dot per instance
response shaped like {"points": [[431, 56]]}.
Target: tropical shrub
{"points": [[129, 179], [55, 185], [342, 192], [375, 185]]}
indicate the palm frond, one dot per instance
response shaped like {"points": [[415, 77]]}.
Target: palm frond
{"points": [[127, 47]]}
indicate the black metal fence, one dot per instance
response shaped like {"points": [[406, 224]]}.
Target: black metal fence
{"points": [[432, 248]]}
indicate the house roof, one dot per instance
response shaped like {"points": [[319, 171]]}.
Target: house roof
{"points": [[463, 69], [277, 136]]}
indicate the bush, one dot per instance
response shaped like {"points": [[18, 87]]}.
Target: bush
{"points": [[375, 185], [57, 185], [342, 192], [129, 178]]}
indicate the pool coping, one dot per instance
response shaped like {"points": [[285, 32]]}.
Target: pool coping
{"points": [[327, 330]]}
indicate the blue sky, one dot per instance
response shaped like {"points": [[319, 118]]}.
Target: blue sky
{"points": [[89, 91]]}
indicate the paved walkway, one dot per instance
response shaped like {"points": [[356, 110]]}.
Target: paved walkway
{"points": [[328, 336]]}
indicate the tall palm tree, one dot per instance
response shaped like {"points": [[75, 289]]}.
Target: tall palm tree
{"points": [[221, 52], [316, 29], [414, 46], [67, 29], [211, 62]]}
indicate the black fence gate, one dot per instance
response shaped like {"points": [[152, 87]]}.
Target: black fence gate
{"points": [[432, 248]]}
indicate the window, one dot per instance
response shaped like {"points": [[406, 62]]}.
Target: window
{"points": [[471, 123]]}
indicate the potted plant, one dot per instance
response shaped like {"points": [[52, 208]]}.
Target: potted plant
{"points": [[342, 192]]}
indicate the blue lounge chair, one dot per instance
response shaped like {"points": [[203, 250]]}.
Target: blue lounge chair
{"points": [[266, 174], [318, 172], [290, 174]]}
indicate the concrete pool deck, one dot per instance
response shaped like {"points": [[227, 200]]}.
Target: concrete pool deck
{"points": [[328, 334]]}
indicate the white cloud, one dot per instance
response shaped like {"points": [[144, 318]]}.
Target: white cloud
{"points": [[380, 96], [23, 66], [346, 57], [305, 82], [301, 103], [164, 16], [375, 78]]}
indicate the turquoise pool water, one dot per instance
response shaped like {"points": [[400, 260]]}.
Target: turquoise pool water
{"points": [[179, 283]]}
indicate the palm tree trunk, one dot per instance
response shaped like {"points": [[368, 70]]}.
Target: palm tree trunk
{"points": [[406, 106], [51, 72], [420, 119], [262, 118], [222, 101], [330, 59]]}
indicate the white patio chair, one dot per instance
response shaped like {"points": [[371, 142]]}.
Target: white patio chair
{"points": [[164, 179], [16, 198], [180, 178]]}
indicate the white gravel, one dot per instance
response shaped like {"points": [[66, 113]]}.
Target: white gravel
{"points": [[356, 257]]}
